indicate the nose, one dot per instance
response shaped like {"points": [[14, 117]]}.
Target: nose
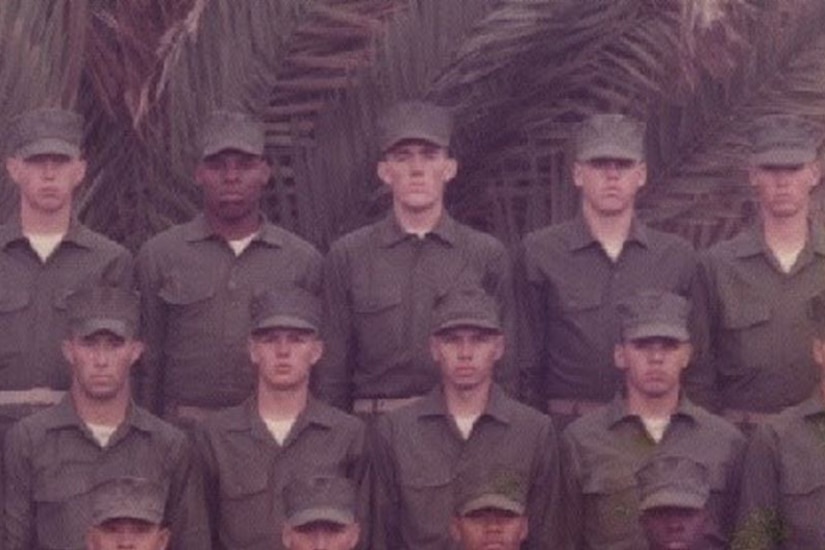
{"points": [[231, 170], [321, 541], [465, 349], [282, 347], [126, 541], [49, 169]]}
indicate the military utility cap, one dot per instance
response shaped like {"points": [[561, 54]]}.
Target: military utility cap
{"points": [[128, 498], [103, 309], [320, 499], [47, 132], [654, 313], [610, 135], [415, 120], [286, 308], [466, 307], [784, 140], [497, 488], [672, 481], [226, 130]]}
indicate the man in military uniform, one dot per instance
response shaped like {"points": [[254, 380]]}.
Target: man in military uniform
{"points": [[756, 286], [673, 493], [127, 513], [604, 449], [572, 275], [381, 281], [783, 483], [321, 514], [197, 279], [465, 423], [55, 457], [253, 450], [490, 510]]}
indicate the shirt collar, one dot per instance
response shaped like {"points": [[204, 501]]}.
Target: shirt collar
{"points": [[391, 233], [618, 413], [499, 406], [752, 241], [77, 233], [249, 419], [198, 230], [65, 415], [813, 406], [580, 236]]}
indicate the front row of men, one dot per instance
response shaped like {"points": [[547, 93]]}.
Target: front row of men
{"points": [[648, 462]]}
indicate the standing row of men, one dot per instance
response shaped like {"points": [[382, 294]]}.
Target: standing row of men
{"points": [[380, 285]]}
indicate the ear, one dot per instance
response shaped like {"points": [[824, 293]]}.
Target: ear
{"points": [[13, 167], [524, 529], [752, 174], [164, 537], [455, 531], [384, 171], [688, 354], [642, 168], [499, 346], [353, 533], [91, 539], [577, 174], [254, 356], [450, 169], [199, 173], [816, 172], [266, 171], [136, 349], [67, 348], [286, 536], [619, 356], [818, 348], [79, 167], [435, 349], [317, 351]]}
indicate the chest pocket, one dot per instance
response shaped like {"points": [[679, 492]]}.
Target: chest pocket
{"points": [[63, 509], [426, 492], [12, 327], [378, 321], [745, 314], [611, 504], [180, 290], [249, 507], [578, 298]]}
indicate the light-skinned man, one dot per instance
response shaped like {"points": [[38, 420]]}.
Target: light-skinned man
{"points": [[197, 279], [321, 514], [756, 286], [651, 418], [467, 422], [572, 275], [253, 450], [381, 281], [55, 457], [127, 514]]}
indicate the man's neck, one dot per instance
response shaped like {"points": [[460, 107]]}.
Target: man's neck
{"points": [[470, 402], [281, 404], [610, 231], [44, 223], [784, 235], [418, 222], [233, 230], [648, 407], [109, 412]]}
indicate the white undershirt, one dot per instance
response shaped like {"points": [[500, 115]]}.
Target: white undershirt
{"points": [[787, 259], [279, 428], [465, 424], [101, 432], [239, 245], [44, 244], [613, 250], [656, 427]]}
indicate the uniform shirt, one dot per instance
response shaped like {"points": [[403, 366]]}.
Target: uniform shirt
{"points": [[195, 299], [783, 484], [418, 452], [759, 329], [247, 471], [52, 464], [570, 288], [33, 316], [603, 451], [380, 287]]}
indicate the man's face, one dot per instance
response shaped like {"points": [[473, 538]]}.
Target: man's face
{"points": [[321, 535], [127, 534], [417, 173], [652, 366], [284, 356], [489, 529], [101, 362], [609, 185], [466, 355], [784, 190], [46, 182], [674, 528], [232, 183]]}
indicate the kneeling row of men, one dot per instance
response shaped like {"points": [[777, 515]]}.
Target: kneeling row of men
{"points": [[650, 455]]}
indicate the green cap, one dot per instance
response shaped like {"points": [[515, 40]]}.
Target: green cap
{"points": [[103, 309], [672, 481], [483, 488], [415, 120], [286, 308], [466, 307], [47, 131], [225, 130], [321, 498], [784, 140], [128, 498], [610, 135], [654, 313]]}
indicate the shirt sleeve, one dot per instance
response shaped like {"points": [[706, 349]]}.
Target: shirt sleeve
{"points": [[18, 506], [149, 378], [545, 525], [700, 379], [531, 331], [385, 516], [758, 523], [185, 509], [573, 502]]}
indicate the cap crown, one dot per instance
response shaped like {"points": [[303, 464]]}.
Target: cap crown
{"points": [[466, 307], [673, 481], [225, 130], [320, 498], [415, 120], [94, 308], [654, 313], [610, 135], [784, 140], [286, 308], [47, 131], [128, 497]]}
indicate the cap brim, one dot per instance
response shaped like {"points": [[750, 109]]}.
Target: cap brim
{"points": [[467, 323], [312, 515], [676, 499], [494, 502], [285, 321], [88, 327], [48, 146], [609, 151], [414, 135], [232, 145], [784, 157], [657, 330]]}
